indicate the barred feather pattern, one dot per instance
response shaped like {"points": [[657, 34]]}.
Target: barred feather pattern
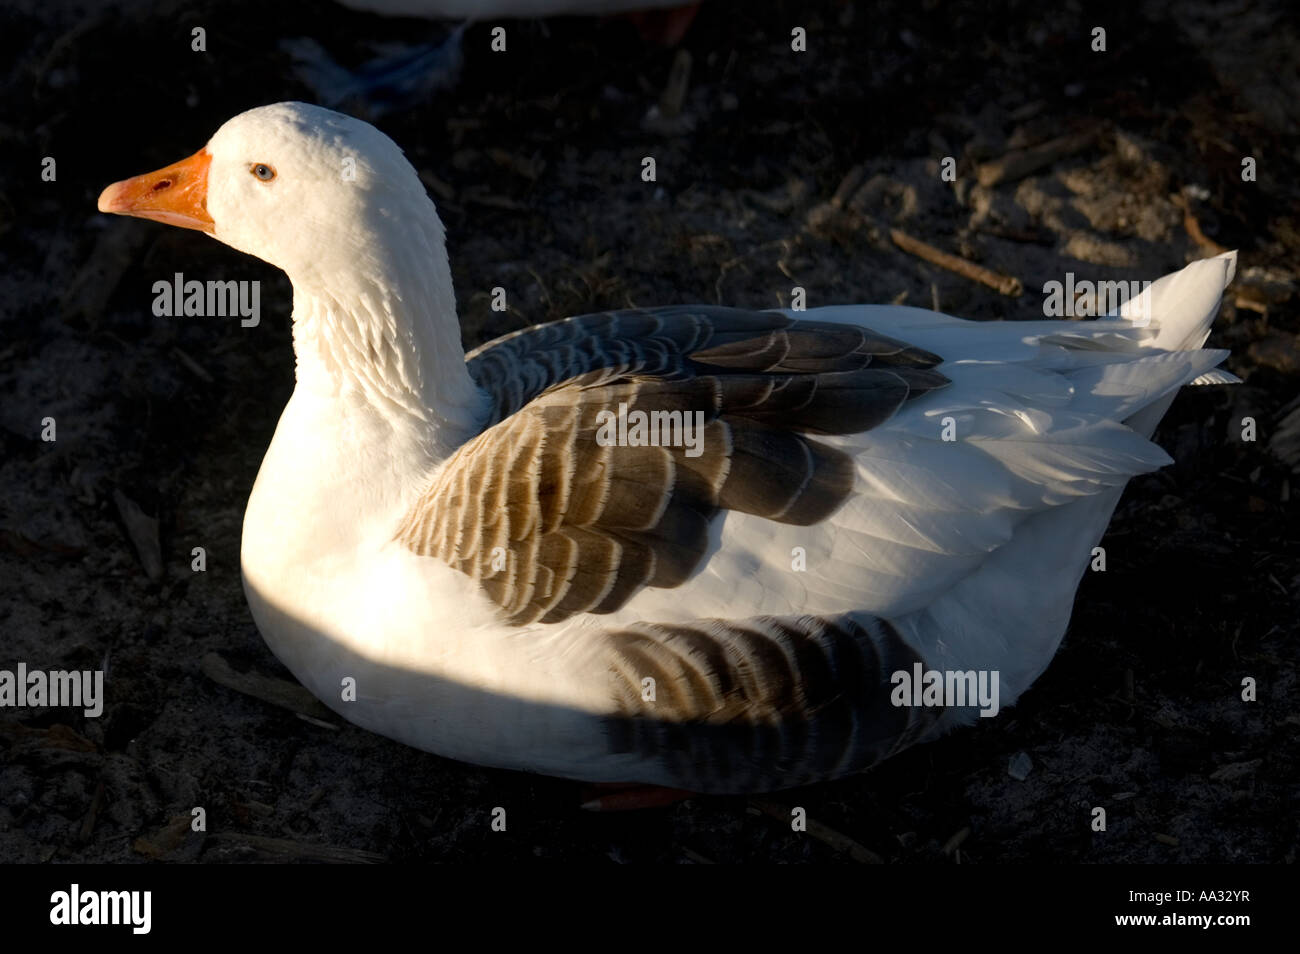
{"points": [[762, 703], [553, 521], [517, 367]]}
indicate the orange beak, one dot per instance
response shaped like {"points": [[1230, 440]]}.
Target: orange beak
{"points": [[176, 195]]}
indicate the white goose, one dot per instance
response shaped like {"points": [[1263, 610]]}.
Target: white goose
{"points": [[452, 532]]}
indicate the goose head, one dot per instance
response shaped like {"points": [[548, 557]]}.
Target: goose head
{"points": [[333, 202], [306, 189]]}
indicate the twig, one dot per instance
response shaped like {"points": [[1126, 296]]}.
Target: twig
{"points": [[161, 843], [275, 691], [696, 857], [438, 186], [88, 823], [196, 369], [283, 849], [1193, 227], [679, 80], [955, 842], [1249, 303], [491, 200], [823, 833], [848, 186], [1019, 163], [142, 530], [1008, 285]]}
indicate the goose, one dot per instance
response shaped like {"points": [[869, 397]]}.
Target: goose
{"points": [[494, 557]]}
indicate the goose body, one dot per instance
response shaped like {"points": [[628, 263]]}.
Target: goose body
{"points": [[448, 550]]}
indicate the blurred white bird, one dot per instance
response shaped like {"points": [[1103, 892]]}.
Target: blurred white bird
{"points": [[397, 79]]}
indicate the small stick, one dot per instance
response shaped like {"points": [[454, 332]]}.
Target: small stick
{"points": [[196, 369], [679, 80], [492, 201], [955, 842], [88, 823], [696, 857], [282, 849], [1251, 304], [319, 723], [823, 833], [1008, 285], [848, 185], [275, 691], [142, 530], [161, 843], [1021, 162], [439, 186], [1193, 227]]}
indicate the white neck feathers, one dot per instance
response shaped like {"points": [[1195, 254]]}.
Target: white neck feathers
{"points": [[377, 323]]}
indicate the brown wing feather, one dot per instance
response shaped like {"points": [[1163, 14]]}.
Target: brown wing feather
{"points": [[554, 521], [760, 703]]}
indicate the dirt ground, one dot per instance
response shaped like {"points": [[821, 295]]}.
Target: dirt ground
{"points": [[780, 169]]}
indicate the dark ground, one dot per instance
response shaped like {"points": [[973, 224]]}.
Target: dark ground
{"points": [[534, 160]]}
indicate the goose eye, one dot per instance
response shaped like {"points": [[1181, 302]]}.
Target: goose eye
{"points": [[263, 171]]}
